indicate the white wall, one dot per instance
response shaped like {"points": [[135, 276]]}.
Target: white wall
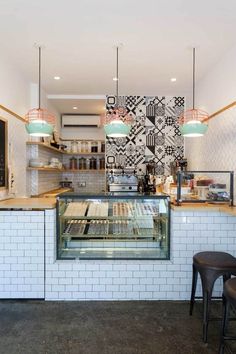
{"points": [[18, 95], [14, 93], [83, 133], [217, 149]]}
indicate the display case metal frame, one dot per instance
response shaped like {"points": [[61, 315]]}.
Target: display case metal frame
{"points": [[112, 196]]}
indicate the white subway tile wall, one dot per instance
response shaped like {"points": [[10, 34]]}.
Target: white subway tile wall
{"points": [[43, 181], [22, 261], [22, 254], [94, 181], [191, 232]]}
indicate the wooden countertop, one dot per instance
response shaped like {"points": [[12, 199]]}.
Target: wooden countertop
{"points": [[28, 203], [205, 207]]}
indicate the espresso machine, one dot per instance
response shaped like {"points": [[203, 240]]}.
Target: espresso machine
{"points": [[122, 180]]}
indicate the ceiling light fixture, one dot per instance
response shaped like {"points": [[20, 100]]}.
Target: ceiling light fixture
{"points": [[173, 79], [193, 121], [57, 78], [75, 107], [116, 121], [40, 122]]}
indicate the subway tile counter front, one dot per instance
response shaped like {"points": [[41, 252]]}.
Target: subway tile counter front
{"points": [[29, 267]]}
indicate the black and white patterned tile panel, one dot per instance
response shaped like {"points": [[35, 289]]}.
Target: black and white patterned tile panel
{"points": [[154, 134]]}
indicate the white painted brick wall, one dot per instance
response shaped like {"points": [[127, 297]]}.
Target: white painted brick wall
{"points": [[21, 254], [191, 232]]}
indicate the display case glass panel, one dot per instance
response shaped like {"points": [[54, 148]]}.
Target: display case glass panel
{"points": [[216, 187], [110, 226]]}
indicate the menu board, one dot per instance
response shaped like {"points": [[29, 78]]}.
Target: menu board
{"points": [[3, 161]]}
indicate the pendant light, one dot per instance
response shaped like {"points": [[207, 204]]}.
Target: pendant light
{"points": [[117, 122], [192, 122], [40, 122]]}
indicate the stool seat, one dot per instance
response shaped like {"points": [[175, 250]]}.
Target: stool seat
{"points": [[215, 260], [230, 291], [210, 265]]}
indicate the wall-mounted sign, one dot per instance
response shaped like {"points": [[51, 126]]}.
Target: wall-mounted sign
{"points": [[3, 153]]}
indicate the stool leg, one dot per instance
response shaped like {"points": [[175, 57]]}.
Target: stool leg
{"points": [[194, 285], [206, 313], [224, 325]]}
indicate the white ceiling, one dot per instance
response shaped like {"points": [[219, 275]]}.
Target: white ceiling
{"points": [[79, 38]]}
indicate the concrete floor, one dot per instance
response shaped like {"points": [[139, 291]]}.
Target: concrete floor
{"points": [[142, 327]]}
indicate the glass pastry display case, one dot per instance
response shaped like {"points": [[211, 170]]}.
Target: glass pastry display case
{"points": [[215, 187], [113, 226]]}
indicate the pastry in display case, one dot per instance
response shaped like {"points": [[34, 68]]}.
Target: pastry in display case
{"points": [[109, 226], [205, 186]]}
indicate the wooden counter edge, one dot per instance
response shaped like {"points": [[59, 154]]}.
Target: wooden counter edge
{"points": [[28, 203], [205, 207]]}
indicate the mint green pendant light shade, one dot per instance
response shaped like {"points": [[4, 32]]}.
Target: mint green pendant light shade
{"points": [[192, 123], [39, 128], [193, 129], [39, 122], [117, 129]]}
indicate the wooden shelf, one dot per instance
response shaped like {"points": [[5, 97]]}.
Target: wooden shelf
{"points": [[45, 169], [60, 170], [49, 147], [83, 153], [77, 170]]}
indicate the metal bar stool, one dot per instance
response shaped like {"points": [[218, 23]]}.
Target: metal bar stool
{"points": [[229, 300], [210, 265]]}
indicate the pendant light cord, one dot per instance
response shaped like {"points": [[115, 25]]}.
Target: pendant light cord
{"points": [[193, 78], [39, 77], [117, 76]]}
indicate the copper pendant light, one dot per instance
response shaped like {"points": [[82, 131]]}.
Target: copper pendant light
{"points": [[193, 121], [116, 121], [40, 122]]}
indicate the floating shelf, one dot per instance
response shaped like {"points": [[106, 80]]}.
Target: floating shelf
{"points": [[45, 169], [49, 147], [77, 170], [60, 170]]}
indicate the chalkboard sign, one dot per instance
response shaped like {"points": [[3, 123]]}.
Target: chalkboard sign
{"points": [[3, 153]]}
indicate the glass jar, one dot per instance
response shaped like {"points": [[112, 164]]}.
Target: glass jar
{"points": [[93, 163], [79, 146], [94, 146], [102, 163], [73, 163], [86, 146], [82, 163], [82, 146], [103, 147], [74, 147]]}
